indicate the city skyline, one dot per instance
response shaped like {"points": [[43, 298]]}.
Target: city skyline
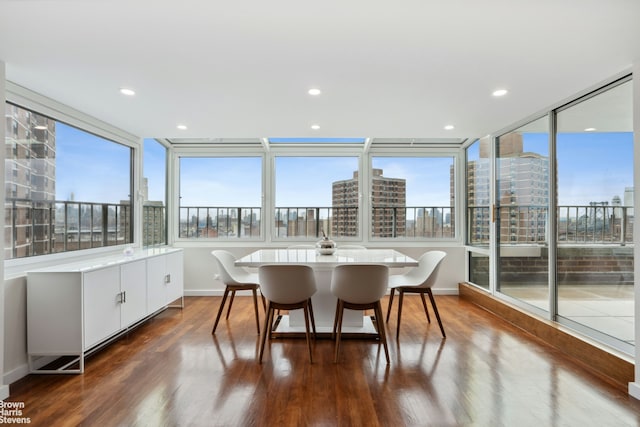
{"points": [[596, 172]]}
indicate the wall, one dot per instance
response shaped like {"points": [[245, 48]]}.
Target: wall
{"points": [[634, 387], [4, 389], [199, 269]]}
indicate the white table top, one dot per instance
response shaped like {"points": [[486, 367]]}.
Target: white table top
{"points": [[389, 257]]}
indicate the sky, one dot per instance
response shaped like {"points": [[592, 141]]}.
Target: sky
{"points": [[588, 170]]}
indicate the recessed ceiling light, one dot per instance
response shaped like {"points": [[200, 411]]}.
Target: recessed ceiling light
{"points": [[127, 91], [314, 92], [40, 127], [500, 92], [589, 129], [182, 127], [315, 127], [449, 127]]}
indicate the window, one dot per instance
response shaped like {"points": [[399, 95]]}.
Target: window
{"points": [[595, 262], [153, 189], [315, 195], [71, 190], [412, 197], [220, 197]]}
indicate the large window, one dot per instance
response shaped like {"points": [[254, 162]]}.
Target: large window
{"points": [[412, 197], [478, 181], [220, 197], [65, 189], [594, 265], [153, 189], [522, 217], [315, 195]]}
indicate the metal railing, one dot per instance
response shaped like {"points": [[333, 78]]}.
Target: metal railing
{"points": [[46, 227], [311, 221], [577, 224]]}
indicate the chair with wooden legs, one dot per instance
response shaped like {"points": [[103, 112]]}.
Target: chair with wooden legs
{"points": [[287, 287], [359, 287], [418, 280], [235, 279]]}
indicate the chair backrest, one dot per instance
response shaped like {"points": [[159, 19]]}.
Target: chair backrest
{"points": [[230, 274], [287, 284], [426, 273], [359, 283]]}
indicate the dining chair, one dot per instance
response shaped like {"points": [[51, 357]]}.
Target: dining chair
{"points": [[418, 280], [359, 287], [235, 279], [287, 287]]}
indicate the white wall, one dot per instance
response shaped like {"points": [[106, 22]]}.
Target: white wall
{"points": [[200, 271], [634, 387], [4, 389]]}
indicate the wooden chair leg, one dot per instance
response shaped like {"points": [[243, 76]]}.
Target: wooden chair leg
{"points": [[264, 304], [435, 309], [307, 332], [313, 320], [224, 298], [339, 329], [265, 331], [393, 291], [424, 304], [335, 320], [381, 329], [401, 297], [255, 306], [233, 294]]}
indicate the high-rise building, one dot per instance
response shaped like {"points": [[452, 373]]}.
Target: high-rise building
{"points": [[388, 204], [30, 184]]}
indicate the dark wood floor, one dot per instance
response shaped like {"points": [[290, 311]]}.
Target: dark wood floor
{"points": [[172, 372]]}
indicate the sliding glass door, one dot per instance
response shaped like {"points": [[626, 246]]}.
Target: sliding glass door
{"points": [[522, 213]]}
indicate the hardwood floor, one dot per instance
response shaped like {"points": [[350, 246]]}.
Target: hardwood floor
{"points": [[172, 372]]}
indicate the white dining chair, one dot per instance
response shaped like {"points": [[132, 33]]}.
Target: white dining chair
{"points": [[235, 279], [287, 287], [359, 287], [418, 280]]}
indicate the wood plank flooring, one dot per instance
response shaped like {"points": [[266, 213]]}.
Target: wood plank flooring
{"points": [[172, 372]]}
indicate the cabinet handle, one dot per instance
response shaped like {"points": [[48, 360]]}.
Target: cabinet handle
{"points": [[124, 296], [167, 278]]}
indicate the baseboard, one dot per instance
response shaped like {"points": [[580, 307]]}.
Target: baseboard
{"points": [[4, 392], [608, 363], [220, 292], [15, 374], [634, 390]]}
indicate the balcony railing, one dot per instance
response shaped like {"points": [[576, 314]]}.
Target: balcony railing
{"points": [[46, 227], [577, 224], [310, 222]]}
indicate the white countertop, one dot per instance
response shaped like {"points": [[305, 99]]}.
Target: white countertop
{"points": [[389, 257], [105, 260]]}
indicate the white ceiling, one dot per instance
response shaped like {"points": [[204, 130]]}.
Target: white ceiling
{"points": [[387, 69]]}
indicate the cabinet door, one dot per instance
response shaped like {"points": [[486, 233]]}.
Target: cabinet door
{"points": [[133, 282], [101, 304], [156, 289], [174, 279]]}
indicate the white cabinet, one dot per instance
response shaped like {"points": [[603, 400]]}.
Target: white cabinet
{"points": [[74, 308]]}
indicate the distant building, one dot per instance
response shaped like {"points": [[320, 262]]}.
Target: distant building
{"points": [[30, 183], [388, 203]]}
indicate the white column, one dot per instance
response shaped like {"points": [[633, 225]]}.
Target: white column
{"points": [[4, 389], [634, 387]]}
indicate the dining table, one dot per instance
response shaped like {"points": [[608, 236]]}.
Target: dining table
{"points": [[355, 323]]}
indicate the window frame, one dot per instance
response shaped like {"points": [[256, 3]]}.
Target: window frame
{"points": [[34, 102]]}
